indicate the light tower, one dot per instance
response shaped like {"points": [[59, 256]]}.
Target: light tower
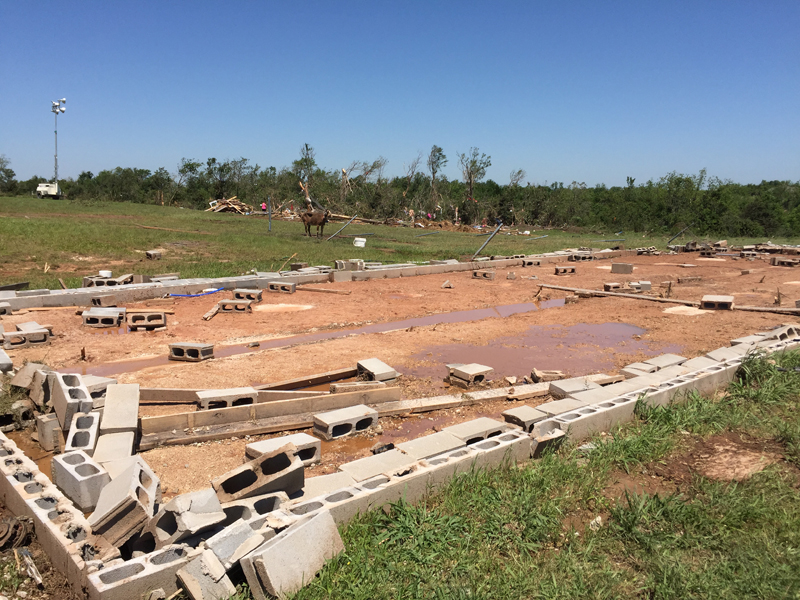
{"points": [[58, 106]]}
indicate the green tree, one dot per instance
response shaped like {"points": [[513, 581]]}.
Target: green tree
{"points": [[8, 183], [436, 162]]}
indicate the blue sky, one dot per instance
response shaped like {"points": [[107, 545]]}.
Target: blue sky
{"points": [[569, 91]]}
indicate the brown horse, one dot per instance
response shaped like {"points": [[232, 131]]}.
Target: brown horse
{"points": [[317, 218]]}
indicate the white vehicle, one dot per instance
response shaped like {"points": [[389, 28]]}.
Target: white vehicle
{"points": [[48, 190]]}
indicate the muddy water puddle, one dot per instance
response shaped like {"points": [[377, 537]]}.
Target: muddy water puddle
{"points": [[461, 316], [33, 450], [577, 350]]}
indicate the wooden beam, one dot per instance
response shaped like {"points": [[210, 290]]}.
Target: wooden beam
{"points": [[322, 291], [618, 295], [299, 382]]}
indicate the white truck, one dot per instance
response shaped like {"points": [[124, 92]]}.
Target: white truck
{"points": [[48, 190]]}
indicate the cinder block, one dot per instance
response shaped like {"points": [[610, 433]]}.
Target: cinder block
{"points": [[191, 352], [374, 369], [5, 309], [83, 433], [284, 564], [622, 268], [6, 364], [377, 464], [476, 430], [185, 516], [701, 362], [252, 510], [472, 373], [103, 317], [582, 422], [431, 445], [153, 254], [245, 294], [204, 578], [121, 412], [565, 270], [643, 367], [49, 432], [566, 387], [13, 340], [712, 302], [324, 484], [524, 416], [281, 287], [556, 407], [309, 448], [113, 446], [665, 360], [80, 478], [104, 300], [211, 399], [339, 423], [514, 446], [724, 354], [279, 470], [139, 577], [748, 340], [147, 321], [610, 287], [235, 306], [69, 396], [126, 504], [483, 274]]}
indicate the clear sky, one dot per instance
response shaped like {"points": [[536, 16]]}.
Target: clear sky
{"points": [[569, 91]]}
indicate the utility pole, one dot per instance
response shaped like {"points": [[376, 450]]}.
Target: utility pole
{"points": [[58, 107]]}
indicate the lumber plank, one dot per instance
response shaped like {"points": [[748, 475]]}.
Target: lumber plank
{"points": [[327, 377], [618, 295]]}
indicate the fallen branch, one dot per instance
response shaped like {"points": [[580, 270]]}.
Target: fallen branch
{"points": [[210, 314]]}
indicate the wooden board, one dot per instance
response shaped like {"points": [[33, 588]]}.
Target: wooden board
{"points": [[299, 382]]}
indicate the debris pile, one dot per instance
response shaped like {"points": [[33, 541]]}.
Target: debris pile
{"points": [[232, 204]]}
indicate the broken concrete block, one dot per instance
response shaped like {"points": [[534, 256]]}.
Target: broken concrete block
{"points": [[476, 430], [126, 504], [712, 302], [69, 396], [40, 390], [23, 338], [431, 445], [83, 433], [113, 446], [80, 478], [97, 388], [204, 578], [191, 352], [210, 399], [278, 470], [374, 369], [309, 448], [6, 364], [49, 432], [566, 387], [643, 367], [284, 564], [538, 376], [5, 308], [701, 362], [324, 484], [622, 268], [342, 422], [472, 373], [24, 377], [121, 412], [511, 275], [153, 254], [185, 516], [524, 416], [234, 542], [447, 285]]}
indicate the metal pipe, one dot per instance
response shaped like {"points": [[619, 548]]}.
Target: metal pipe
{"points": [[536, 238], [342, 229], [680, 232], [424, 234], [269, 208], [494, 233]]}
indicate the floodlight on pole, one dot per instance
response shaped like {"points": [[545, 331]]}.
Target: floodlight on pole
{"points": [[57, 108]]}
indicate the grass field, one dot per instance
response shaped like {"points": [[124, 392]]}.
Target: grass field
{"points": [[75, 239]]}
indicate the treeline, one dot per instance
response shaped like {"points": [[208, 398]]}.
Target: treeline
{"points": [[707, 204]]}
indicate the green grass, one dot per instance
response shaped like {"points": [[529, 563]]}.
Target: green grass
{"points": [[63, 233], [502, 533]]}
